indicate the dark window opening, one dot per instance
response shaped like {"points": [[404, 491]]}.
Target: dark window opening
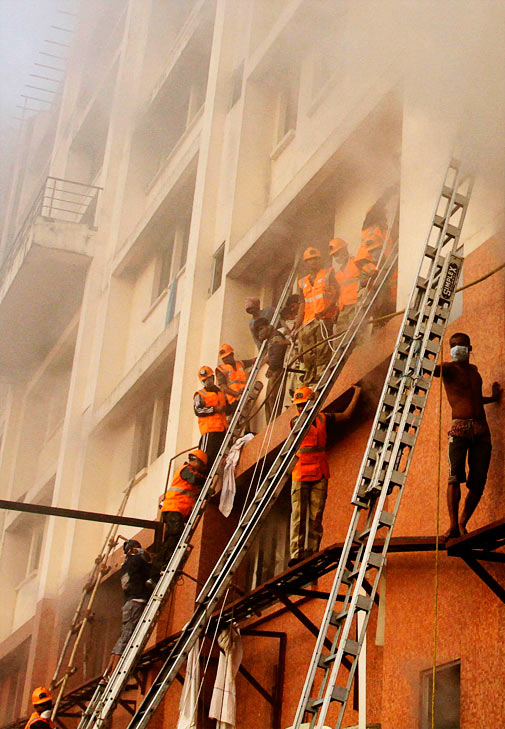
{"points": [[217, 269], [447, 696]]}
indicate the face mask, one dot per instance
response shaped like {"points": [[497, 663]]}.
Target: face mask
{"points": [[460, 353], [46, 714]]}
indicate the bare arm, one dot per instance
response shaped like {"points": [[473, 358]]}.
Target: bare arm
{"points": [[346, 414], [496, 392]]}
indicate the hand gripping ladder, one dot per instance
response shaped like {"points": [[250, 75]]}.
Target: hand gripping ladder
{"points": [[387, 458], [107, 693], [251, 521]]}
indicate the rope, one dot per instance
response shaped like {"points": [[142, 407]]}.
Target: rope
{"points": [[437, 542]]}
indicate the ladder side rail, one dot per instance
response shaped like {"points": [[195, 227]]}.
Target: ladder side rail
{"points": [[435, 310], [107, 695], [250, 522], [412, 305]]}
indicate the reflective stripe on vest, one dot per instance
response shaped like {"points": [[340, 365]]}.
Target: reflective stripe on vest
{"points": [[318, 295], [37, 717], [312, 462], [215, 423], [235, 378], [181, 495]]}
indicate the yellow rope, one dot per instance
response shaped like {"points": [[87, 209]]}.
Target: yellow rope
{"points": [[435, 610]]}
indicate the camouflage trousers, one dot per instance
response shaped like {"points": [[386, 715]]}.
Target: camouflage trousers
{"points": [[315, 361], [307, 506]]}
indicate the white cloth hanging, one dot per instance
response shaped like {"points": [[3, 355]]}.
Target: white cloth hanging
{"points": [[228, 490], [188, 704], [222, 704]]}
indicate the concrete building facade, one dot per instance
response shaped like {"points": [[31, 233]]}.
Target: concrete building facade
{"points": [[198, 147]]}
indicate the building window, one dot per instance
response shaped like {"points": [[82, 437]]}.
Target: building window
{"points": [[217, 270], [171, 259], [269, 553], [236, 84], [287, 111], [447, 696], [35, 551], [150, 433]]}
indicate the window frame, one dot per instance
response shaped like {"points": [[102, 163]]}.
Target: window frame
{"points": [[217, 270], [426, 686]]}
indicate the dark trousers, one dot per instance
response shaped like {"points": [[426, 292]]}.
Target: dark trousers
{"points": [[210, 443], [174, 526]]}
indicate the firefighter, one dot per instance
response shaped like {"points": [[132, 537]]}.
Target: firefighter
{"points": [[309, 479], [348, 278], [375, 247], [232, 375], [319, 292], [209, 405], [176, 507], [43, 704]]}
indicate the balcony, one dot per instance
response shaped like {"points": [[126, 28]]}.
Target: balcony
{"points": [[43, 271]]}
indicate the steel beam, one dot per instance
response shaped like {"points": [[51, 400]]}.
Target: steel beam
{"points": [[156, 526]]}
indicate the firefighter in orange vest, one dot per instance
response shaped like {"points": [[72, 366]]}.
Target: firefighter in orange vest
{"points": [[309, 479], [232, 375], [209, 405], [176, 507], [375, 247], [348, 278], [43, 704], [316, 314]]}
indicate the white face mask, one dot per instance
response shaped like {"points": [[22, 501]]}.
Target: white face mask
{"points": [[46, 714], [460, 353]]}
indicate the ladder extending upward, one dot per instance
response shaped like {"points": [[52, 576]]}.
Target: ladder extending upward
{"points": [[253, 517], [385, 465], [108, 691]]}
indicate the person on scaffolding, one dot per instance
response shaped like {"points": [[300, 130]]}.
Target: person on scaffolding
{"points": [[176, 507], [231, 375], [319, 293], [42, 702], [469, 435], [309, 479], [135, 572], [209, 405], [276, 351]]}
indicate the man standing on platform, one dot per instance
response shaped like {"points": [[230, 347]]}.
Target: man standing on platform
{"points": [[469, 435], [309, 479]]}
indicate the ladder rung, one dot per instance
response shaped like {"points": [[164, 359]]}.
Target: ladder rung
{"points": [[351, 647], [339, 693], [363, 603]]}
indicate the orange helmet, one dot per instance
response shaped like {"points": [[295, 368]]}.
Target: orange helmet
{"points": [[225, 350], [41, 695], [302, 394], [336, 245], [204, 372], [311, 253], [201, 455]]}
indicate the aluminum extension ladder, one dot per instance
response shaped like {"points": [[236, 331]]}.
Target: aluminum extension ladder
{"points": [[108, 691], [251, 521], [387, 458]]}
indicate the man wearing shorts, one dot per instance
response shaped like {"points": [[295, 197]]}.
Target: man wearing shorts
{"points": [[469, 436]]}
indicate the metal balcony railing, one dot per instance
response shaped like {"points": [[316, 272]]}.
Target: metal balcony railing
{"points": [[58, 199]]}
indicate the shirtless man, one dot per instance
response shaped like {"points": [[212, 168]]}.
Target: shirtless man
{"points": [[469, 433]]}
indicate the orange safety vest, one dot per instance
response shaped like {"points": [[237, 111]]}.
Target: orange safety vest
{"points": [[235, 378], [371, 238], [312, 463], [181, 495], [348, 279], [215, 423], [37, 717], [318, 295]]}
